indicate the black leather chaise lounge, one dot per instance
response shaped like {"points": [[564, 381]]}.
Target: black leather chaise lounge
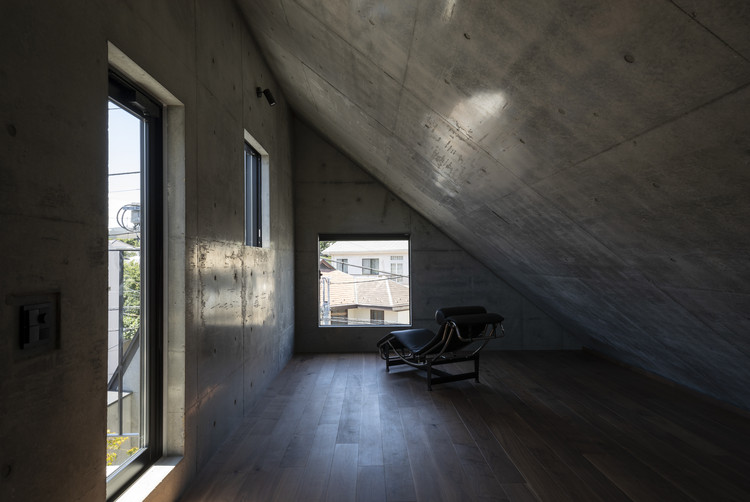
{"points": [[463, 333]]}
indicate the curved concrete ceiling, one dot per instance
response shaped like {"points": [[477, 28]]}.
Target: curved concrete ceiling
{"points": [[596, 155]]}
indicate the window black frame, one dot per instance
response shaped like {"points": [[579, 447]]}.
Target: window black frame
{"points": [[130, 97], [253, 197], [365, 237]]}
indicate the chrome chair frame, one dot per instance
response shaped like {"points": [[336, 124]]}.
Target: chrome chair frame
{"points": [[444, 348]]}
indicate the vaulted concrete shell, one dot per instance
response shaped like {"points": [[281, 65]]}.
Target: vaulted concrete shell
{"points": [[582, 166], [593, 154]]}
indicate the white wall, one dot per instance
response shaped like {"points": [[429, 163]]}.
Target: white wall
{"points": [[398, 317], [384, 264]]}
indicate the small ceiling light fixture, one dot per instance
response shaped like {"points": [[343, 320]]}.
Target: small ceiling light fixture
{"points": [[267, 93]]}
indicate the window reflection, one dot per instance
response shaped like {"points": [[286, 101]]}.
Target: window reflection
{"points": [[124, 340]]}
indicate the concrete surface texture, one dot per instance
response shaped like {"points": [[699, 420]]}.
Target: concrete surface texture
{"points": [[333, 195], [592, 154], [234, 303], [583, 163]]}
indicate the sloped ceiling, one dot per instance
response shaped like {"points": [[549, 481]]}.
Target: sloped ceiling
{"points": [[595, 154]]}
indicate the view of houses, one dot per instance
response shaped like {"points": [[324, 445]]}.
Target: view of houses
{"points": [[364, 283]]}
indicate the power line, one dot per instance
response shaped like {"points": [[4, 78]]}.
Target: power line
{"points": [[380, 272], [369, 280]]}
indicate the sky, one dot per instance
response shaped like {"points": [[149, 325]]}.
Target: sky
{"points": [[124, 157]]}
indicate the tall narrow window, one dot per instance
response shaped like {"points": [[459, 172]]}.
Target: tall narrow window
{"points": [[397, 271], [370, 266], [134, 377], [253, 198]]}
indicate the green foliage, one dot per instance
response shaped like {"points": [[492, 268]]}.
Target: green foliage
{"points": [[131, 287], [324, 245], [132, 241], [131, 298]]}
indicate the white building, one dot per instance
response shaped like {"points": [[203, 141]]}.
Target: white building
{"points": [[384, 258], [362, 300]]}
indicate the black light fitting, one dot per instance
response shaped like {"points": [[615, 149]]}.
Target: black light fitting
{"points": [[267, 93]]}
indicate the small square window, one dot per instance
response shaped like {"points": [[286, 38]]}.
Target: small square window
{"points": [[355, 287]]}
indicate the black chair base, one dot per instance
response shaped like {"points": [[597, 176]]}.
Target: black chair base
{"points": [[436, 376]]}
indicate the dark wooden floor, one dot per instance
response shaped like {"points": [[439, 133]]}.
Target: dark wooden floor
{"points": [[541, 426]]}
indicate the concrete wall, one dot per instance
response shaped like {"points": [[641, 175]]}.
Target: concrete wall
{"points": [[334, 195], [233, 304], [593, 153]]}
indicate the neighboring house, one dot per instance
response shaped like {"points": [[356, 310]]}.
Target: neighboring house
{"points": [[123, 351], [384, 258], [347, 299]]}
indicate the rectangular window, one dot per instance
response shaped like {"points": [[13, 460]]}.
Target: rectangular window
{"points": [[397, 258], [135, 299], [370, 266], [397, 273], [353, 291], [253, 198]]}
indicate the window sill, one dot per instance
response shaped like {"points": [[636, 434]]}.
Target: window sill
{"points": [[150, 479]]}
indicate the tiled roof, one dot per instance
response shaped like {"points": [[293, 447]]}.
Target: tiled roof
{"points": [[368, 290]]}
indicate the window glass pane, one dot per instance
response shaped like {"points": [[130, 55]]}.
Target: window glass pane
{"points": [[397, 272], [253, 200], [124, 347], [370, 266], [354, 291]]}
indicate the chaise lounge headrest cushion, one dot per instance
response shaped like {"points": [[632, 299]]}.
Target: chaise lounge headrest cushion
{"points": [[445, 312]]}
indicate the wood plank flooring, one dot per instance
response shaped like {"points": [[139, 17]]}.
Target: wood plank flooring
{"points": [[540, 426]]}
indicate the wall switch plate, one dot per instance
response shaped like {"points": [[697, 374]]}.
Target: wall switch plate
{"points": [[38, 323]]}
